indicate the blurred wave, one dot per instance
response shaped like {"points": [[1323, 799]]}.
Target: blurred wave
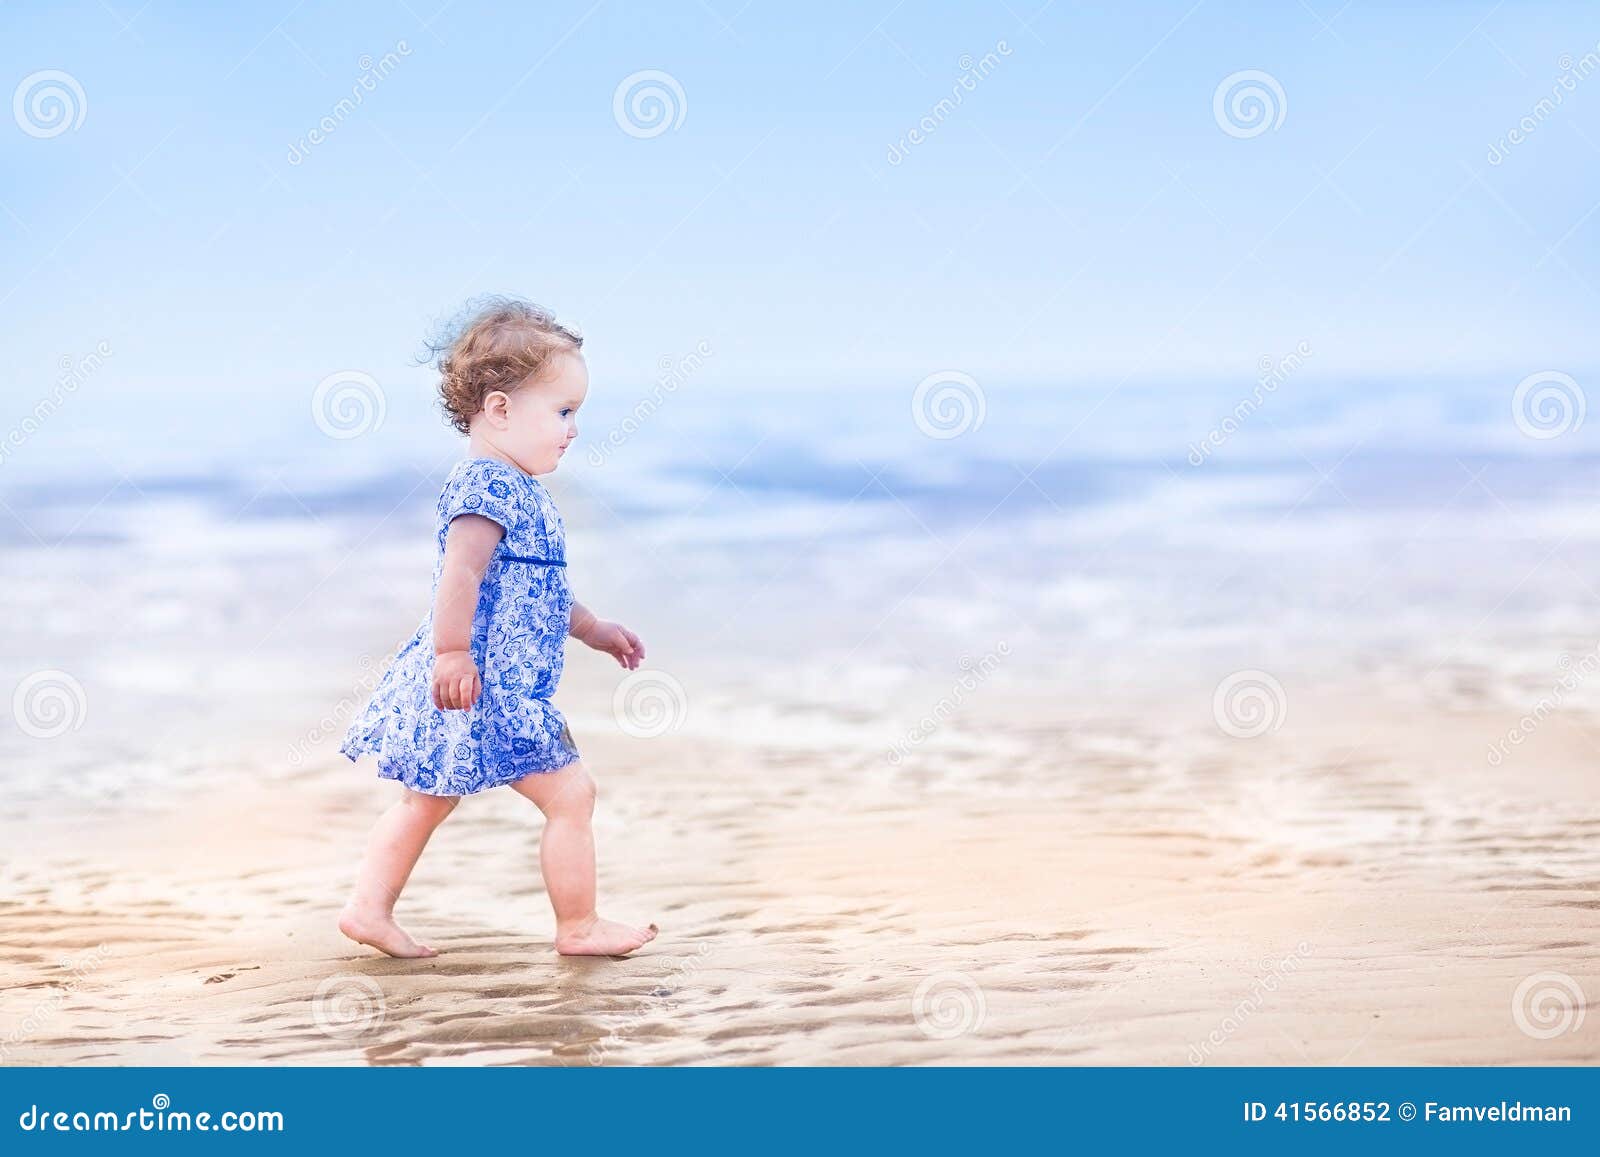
{"points": [[207, 595]]}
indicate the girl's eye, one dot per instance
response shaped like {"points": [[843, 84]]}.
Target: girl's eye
{"points": [[565, 412]]}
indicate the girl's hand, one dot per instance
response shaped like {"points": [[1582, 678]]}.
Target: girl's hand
{"points": [[456, 685], [616, 640]]}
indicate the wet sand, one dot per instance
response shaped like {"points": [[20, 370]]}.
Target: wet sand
{"points": [[1359, 887]]}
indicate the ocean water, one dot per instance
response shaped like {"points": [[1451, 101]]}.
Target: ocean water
{"points": [[186, 590]]}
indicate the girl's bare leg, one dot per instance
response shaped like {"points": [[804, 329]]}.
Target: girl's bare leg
{"points": [[566, 856], [396, 842]]}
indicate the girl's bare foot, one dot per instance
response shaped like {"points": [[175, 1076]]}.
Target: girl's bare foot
{"points": [[380, 931], [597, 937]]}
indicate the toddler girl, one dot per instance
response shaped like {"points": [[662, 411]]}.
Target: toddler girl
{"points": [[465, 705]]}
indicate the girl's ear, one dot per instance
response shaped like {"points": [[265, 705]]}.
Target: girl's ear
{"points": [[496, 406]]}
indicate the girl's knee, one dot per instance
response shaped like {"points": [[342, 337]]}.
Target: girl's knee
{"points": [[569, 792], [577, 796], [431, 808]]}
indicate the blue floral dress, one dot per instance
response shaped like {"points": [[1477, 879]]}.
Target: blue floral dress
{"points": [[519, 632]]}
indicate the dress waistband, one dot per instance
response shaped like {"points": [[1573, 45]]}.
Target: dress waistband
{"points": [[533, 559]]}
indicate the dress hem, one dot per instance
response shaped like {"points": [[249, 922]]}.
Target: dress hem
{"points": [[398, 777]]}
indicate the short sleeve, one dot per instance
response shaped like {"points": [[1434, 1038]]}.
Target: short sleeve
{"points": [[481, 487]]}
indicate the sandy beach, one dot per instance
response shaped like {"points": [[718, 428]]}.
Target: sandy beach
{"points": [[927, 765], [1110, 892]]}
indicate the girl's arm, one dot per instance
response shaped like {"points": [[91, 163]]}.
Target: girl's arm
{"points": [[603, 635], [468, 546], [583, 621]]}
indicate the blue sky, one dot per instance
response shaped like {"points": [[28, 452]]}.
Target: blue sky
{"points": [[1082, 216]]}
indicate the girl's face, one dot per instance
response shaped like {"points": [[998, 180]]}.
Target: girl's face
{"points": [[536, 422]]}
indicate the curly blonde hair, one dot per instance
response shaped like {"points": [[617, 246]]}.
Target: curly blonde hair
{"points": [[497, 343]]}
